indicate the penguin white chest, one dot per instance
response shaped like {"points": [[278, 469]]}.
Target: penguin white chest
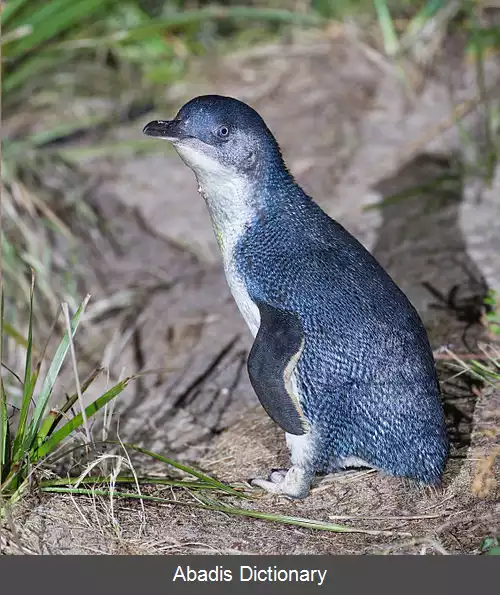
{"points": [[228, 197], [247, 307]]}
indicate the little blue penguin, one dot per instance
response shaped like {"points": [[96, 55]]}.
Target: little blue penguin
{"points": [[340, 359]]}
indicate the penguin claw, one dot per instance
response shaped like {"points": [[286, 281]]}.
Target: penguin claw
{"points": [[277, 475], [293, 483], [268, 486]]}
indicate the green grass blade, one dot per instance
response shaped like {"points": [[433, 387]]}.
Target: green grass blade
{"points": [[29, 379], [50, 379], [57, 437], [62, 130], [419, 189], [11, 332], [4, 432], [52, 19], [391, 43], [90, 492], [186, 468], [4, 420], [423, 15], [126, 479], [490, 546], [30, 67], [14, 34], [188, 17], [19, 493], [300, 521], [54, 416], [8, 11], [486, 374], [494, 551], [489, 38]]}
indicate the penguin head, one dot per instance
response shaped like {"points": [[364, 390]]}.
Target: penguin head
{"points": [[220, 137]]}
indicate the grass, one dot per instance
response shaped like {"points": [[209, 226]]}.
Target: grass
{"points": [[485, 370], [492, 314], [490, 546], [206, 503], [32, 433]]}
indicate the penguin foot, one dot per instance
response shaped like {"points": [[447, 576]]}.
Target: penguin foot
{"points": [[277, 475], [293, 483]]}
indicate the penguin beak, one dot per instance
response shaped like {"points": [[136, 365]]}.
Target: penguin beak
{"points": [[168, 129]]}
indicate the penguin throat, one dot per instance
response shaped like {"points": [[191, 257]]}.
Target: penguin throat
{"points": [[228, 193], [229, 200]]}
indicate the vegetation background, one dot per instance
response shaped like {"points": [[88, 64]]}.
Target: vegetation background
{"points": [[73, 71]]}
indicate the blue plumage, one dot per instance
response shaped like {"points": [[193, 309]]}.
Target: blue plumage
{"points": [[341, 359], [367, 373]]}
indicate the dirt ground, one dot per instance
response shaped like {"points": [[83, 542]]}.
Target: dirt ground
{"points": [[352, 137]]}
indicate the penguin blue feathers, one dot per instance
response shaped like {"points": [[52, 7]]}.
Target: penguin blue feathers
{"points": [[340, 359]]}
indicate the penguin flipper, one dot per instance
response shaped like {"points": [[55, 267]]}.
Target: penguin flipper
{"points": [[273, 357]]}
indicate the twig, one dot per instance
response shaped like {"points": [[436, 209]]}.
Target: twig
{"points": [[200, 378]]}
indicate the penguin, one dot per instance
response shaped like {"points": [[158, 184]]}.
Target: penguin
{"points": [[340, 360]]}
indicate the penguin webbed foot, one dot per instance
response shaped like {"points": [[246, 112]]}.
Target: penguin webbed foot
{"points": [[294, 483]]}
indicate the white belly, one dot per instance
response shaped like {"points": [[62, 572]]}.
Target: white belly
{"points": [[228, 197], [247, 307]]}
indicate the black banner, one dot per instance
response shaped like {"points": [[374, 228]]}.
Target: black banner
{"points": [[249, 574]]}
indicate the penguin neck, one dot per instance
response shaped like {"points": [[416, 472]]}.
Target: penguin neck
{"points": [[236, 201], [237, 198], [230, 203]]}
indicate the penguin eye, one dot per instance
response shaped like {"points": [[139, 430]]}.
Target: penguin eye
{"points": [[222, 132]]}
